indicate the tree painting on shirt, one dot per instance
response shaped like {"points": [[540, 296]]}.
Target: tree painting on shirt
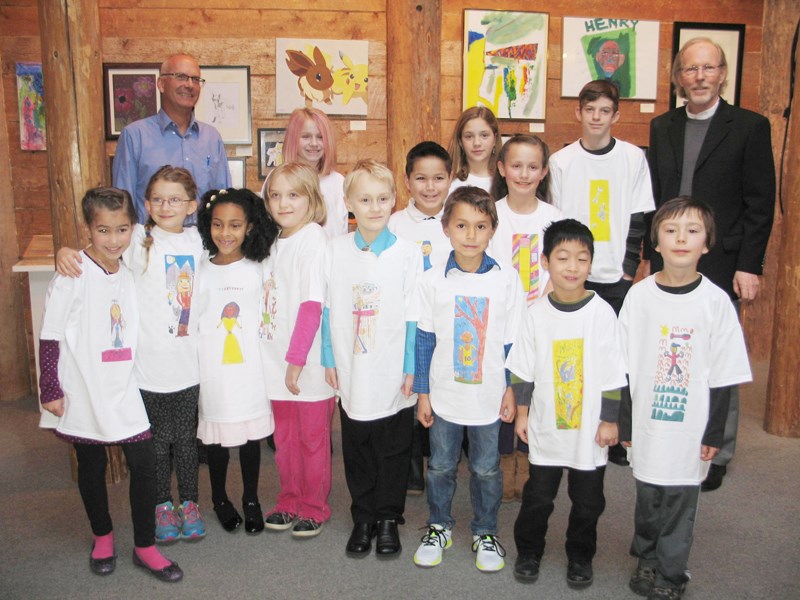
{"points": [[366, 303], [118, 352], [469, 337], [671, 386], [568, 382]]}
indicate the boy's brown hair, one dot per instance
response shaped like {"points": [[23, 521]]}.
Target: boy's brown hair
{"points": [[475, 197], [600, 88], [677, 207]]}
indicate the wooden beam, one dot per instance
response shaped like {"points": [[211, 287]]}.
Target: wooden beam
{"points": [[782, 415], [72, 65], [14, 363], [413, 56]]}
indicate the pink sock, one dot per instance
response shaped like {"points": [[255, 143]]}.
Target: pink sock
{"points": [[151, 557], [103, 546]]}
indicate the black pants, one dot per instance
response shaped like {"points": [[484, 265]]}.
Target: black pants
{"points": [[613, 293], [377, 455], [141, 458], [249, 462], [585, 489]]}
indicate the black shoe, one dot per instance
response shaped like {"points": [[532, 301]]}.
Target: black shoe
{"points": [[171, 573], [360, 542], [253, 518], [579, 574], [102, 566], [618, 455], [714, 478], [387, 542], [227, 515], [526, 569]]}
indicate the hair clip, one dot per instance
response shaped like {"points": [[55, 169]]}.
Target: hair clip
{"points": [[222, 192]]}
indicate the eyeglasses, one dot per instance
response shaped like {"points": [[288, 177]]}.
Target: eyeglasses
{"points": [[174, 201], [708, 70], [183, 77]]}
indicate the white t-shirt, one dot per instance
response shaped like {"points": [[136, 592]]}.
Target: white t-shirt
{"points": [[572, 357], [473, 317], [332, 188], [230, 307], [165, 284], [297, 278], [517, 244], [602, 192], [415, 226], [370, 298], [95, 319], [677, 347], [485, 183]]}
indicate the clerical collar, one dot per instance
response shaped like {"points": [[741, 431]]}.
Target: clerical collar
{"points": [[702, 116]]}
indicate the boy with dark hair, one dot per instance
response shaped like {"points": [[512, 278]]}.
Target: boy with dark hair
{"points": [[469, 313], [568, 347], [683, 346]]}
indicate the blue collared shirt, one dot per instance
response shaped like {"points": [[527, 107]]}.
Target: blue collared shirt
{"points": [[148, 144], [486, 264], [385, 239]]}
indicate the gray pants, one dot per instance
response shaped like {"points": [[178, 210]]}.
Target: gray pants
{"points": [[663, 530]]}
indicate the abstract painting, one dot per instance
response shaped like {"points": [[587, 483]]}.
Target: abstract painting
{"points": [[131, 93], [30, 95], [505, 62], [331, 75], [622, 51]]}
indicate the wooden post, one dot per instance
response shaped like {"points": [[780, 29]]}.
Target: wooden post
{"points": [[72, 65], [782, 416], [14, 363], [413, 58]]}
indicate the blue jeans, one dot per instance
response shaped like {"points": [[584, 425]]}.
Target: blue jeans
{"points": [[486, 479]]}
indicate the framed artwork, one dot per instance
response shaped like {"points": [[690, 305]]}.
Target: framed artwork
{"points": [[270, 150], [505, 62], [237, 168], [225, 103], [131, 93], [622, 51], [30, 99], [331, 75], [728, 35]]}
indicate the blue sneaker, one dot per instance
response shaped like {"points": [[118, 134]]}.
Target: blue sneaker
{"points": [[167, 524], [194, 526]]}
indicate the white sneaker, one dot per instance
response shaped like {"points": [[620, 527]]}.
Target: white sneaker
{"points": [[434, 542], [490, 553]]}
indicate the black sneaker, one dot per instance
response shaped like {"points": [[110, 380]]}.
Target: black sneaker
{"points": [[526, 569], [306, 528], [279, 521], [642, 581], [579, 574], [714, 478]]}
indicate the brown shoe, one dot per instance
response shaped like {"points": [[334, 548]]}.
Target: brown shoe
{"points": [[523, 472], [508, 467]]}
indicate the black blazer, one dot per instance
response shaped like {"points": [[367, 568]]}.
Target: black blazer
{"points": [[735, 174]]}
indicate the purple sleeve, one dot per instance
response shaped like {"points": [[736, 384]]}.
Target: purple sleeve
{"points": [[49, 387], [305, 328]]}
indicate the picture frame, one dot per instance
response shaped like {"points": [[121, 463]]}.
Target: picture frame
{"points": [[621, 51], [224, 102], [130, 93], [270, 150], [505, 63], [238, 168], [728, 35], [30, 103]]}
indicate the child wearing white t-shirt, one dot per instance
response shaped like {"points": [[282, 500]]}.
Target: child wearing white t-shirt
{"points": [[469, 313], [683, 345], [568, 348], [474, 148], [369, 324], [88, 343]]}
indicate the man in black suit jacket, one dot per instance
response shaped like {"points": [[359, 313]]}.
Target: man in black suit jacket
{"points": [[721, 154]]}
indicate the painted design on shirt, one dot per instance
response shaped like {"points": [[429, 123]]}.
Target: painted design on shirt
{"points": [[525, 259], [471, 317], [366, 302], [266, 329], [427, 250], [671, 386], [179, 270], [118, 352], [231, 350], [568, 382], [599, 210]]}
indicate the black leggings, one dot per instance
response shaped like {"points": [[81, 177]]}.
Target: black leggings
{"points": [[141, 458], [250, 463]]}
